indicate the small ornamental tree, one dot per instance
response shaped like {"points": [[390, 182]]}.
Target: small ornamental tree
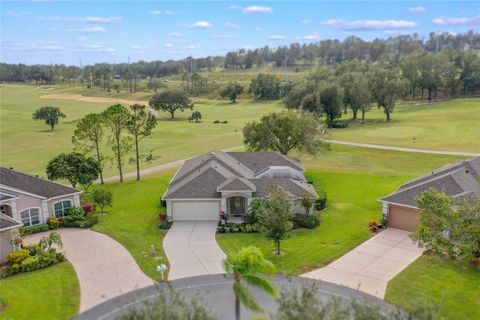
{"points": [[51, 115], [196, 115], [171, 101], [306, 201], [74, 167], [232, 91], [248, 265], [275, 219], [102, 198]]}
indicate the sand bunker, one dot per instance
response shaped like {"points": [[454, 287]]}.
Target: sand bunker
{"points": [[79, 97]]}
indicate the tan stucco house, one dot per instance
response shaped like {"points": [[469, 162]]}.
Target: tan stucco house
{"points": [[229, 181], [460, 180]]}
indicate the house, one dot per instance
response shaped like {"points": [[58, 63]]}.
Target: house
{"points": [[229, 181], [8, 235], [31, 200], [460, 181]]}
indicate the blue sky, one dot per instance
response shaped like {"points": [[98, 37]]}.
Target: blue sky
{"points": [[42, 31]]}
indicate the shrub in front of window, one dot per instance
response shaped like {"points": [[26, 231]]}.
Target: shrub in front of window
{"points": [[16, 257], [77, 218], [53, 223], [303, 221], [36, 228]]}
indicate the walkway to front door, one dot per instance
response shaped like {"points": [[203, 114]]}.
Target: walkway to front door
{"points": [[192, 250], [371, 265]]}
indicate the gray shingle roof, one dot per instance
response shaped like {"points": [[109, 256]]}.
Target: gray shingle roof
{"points": [[205, 175], [31, 184], [7, 222], [459, 180]]}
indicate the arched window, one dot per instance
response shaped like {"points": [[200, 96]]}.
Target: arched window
{"points": [[61, 207], [30, 216]]}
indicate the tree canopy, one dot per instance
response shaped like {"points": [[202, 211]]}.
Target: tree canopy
{"points": [[50, 114], [74, 167], [232, 91], [170, 101]]}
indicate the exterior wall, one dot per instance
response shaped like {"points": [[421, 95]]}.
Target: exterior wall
{"points": [[404, 218], [26, 201], [5, 245]]}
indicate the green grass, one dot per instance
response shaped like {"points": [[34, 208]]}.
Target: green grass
{"points": [[28, 145], [134, 220], [448, 282], [51, 293], [354, 178], [451, 125]]}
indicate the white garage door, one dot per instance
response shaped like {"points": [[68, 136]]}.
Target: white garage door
{"points": [[195, 210]]}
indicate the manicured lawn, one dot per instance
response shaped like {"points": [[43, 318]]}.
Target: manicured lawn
{"points": [[51, 293], [354, 178], [444, 281], [134, 220], [450, 125], [29, 145]]}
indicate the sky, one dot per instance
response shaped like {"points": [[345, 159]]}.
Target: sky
{"points": [[87, 32]]}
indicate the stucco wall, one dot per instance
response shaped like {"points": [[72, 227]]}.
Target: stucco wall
{"points": [[5, 245]]}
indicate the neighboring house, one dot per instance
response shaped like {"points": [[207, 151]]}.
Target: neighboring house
{"points": [[460, 180], [229, 181], [31, 199], [8, 236]]}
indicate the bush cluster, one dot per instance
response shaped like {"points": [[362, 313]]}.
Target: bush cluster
{"points": [[222, 122], [53, 223], [77, 218], [303, 221], [339, 124], [34, 229], [165, 224]]}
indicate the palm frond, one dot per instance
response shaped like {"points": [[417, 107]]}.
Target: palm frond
{"points": [[245, 297], [262, 283]]}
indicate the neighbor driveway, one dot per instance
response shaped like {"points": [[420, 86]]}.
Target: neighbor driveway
{"points": [[192, 250], [105, 269], [371, 265]]}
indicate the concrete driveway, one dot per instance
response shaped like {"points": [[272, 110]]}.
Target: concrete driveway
{"points": [[192, 250], [371, 265], [105, 269]]}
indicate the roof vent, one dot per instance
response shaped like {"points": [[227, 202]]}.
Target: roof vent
{"points": [[36, 175], [212, 153], [11, 168]]}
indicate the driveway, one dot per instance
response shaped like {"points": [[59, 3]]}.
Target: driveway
{"points": [[371, 265], [192, 250], [105, 269]]}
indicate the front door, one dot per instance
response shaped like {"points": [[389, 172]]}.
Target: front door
{"points": [[237, 206]]}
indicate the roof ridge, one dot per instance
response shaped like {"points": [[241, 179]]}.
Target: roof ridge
{"points": [[451, 166]]}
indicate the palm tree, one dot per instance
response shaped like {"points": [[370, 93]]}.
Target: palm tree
{"points": [[247, 264], [53, 238]]}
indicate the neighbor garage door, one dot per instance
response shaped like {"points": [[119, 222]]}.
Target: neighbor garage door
{"points": [[195, 210], [402, 217]]}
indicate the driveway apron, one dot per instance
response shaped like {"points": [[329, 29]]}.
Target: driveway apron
{"points": [[371, 265], [192, 250]]}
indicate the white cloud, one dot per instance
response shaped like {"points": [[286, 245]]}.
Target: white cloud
{"points": [[369, 24], [247, 47], [160, 13], [168, 45], [191, 46], [257, 9], [312, 36], [90, 19], [176, 34], [305, 21], [52, 47], [276, 37], [230, 25], [138, 46], [11, 13], [201, 25], [454, 21], [417, 9], [223, 36], [89, 30], [96, 48]]}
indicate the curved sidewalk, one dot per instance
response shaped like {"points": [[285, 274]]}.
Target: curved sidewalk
{"points": [[105, 269]]}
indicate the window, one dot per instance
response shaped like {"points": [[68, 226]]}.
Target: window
{"points": [[61, 207], [30, 217]]}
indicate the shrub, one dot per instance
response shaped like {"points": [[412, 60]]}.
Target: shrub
{"points": [[53, 223], [75, 214], [251, 217], [103, 198], [224, 121], [88, 222], [163, 203], [339, 124], [223, 216], [248, 228], [221, 228], [373, 226], [162, 216], [216, 121], [16, 257], [46, 258], [321, 202], [30, 264], [35, 229], [15, 268], [165, 225], [89, 208], [33, 248], [303, 221], [60, 256]]}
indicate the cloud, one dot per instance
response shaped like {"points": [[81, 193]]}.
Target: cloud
{"points": [[96, 48], [198, 25], [176, 34], [89, 30], [257, 9], [52, 47], [247, 47], [453, 21], [17, 13], [369, 24], [191, 46], [312, 36], [160, 13], [276, 37], [90, 19], [417, 9], [230, 25], [138, 46], [168, 45]]}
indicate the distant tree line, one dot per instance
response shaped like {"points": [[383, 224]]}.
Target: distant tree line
{"points": [[325, 52]]}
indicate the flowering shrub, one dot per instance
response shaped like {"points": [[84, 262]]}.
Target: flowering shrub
{"points": [[223, 216], [18, 256], [89, 207], [373, 226], [162, 216]]}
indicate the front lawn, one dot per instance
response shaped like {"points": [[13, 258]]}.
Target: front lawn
{"points": [[50, 293], [354, 178], [134, 220], [447, 282]]}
